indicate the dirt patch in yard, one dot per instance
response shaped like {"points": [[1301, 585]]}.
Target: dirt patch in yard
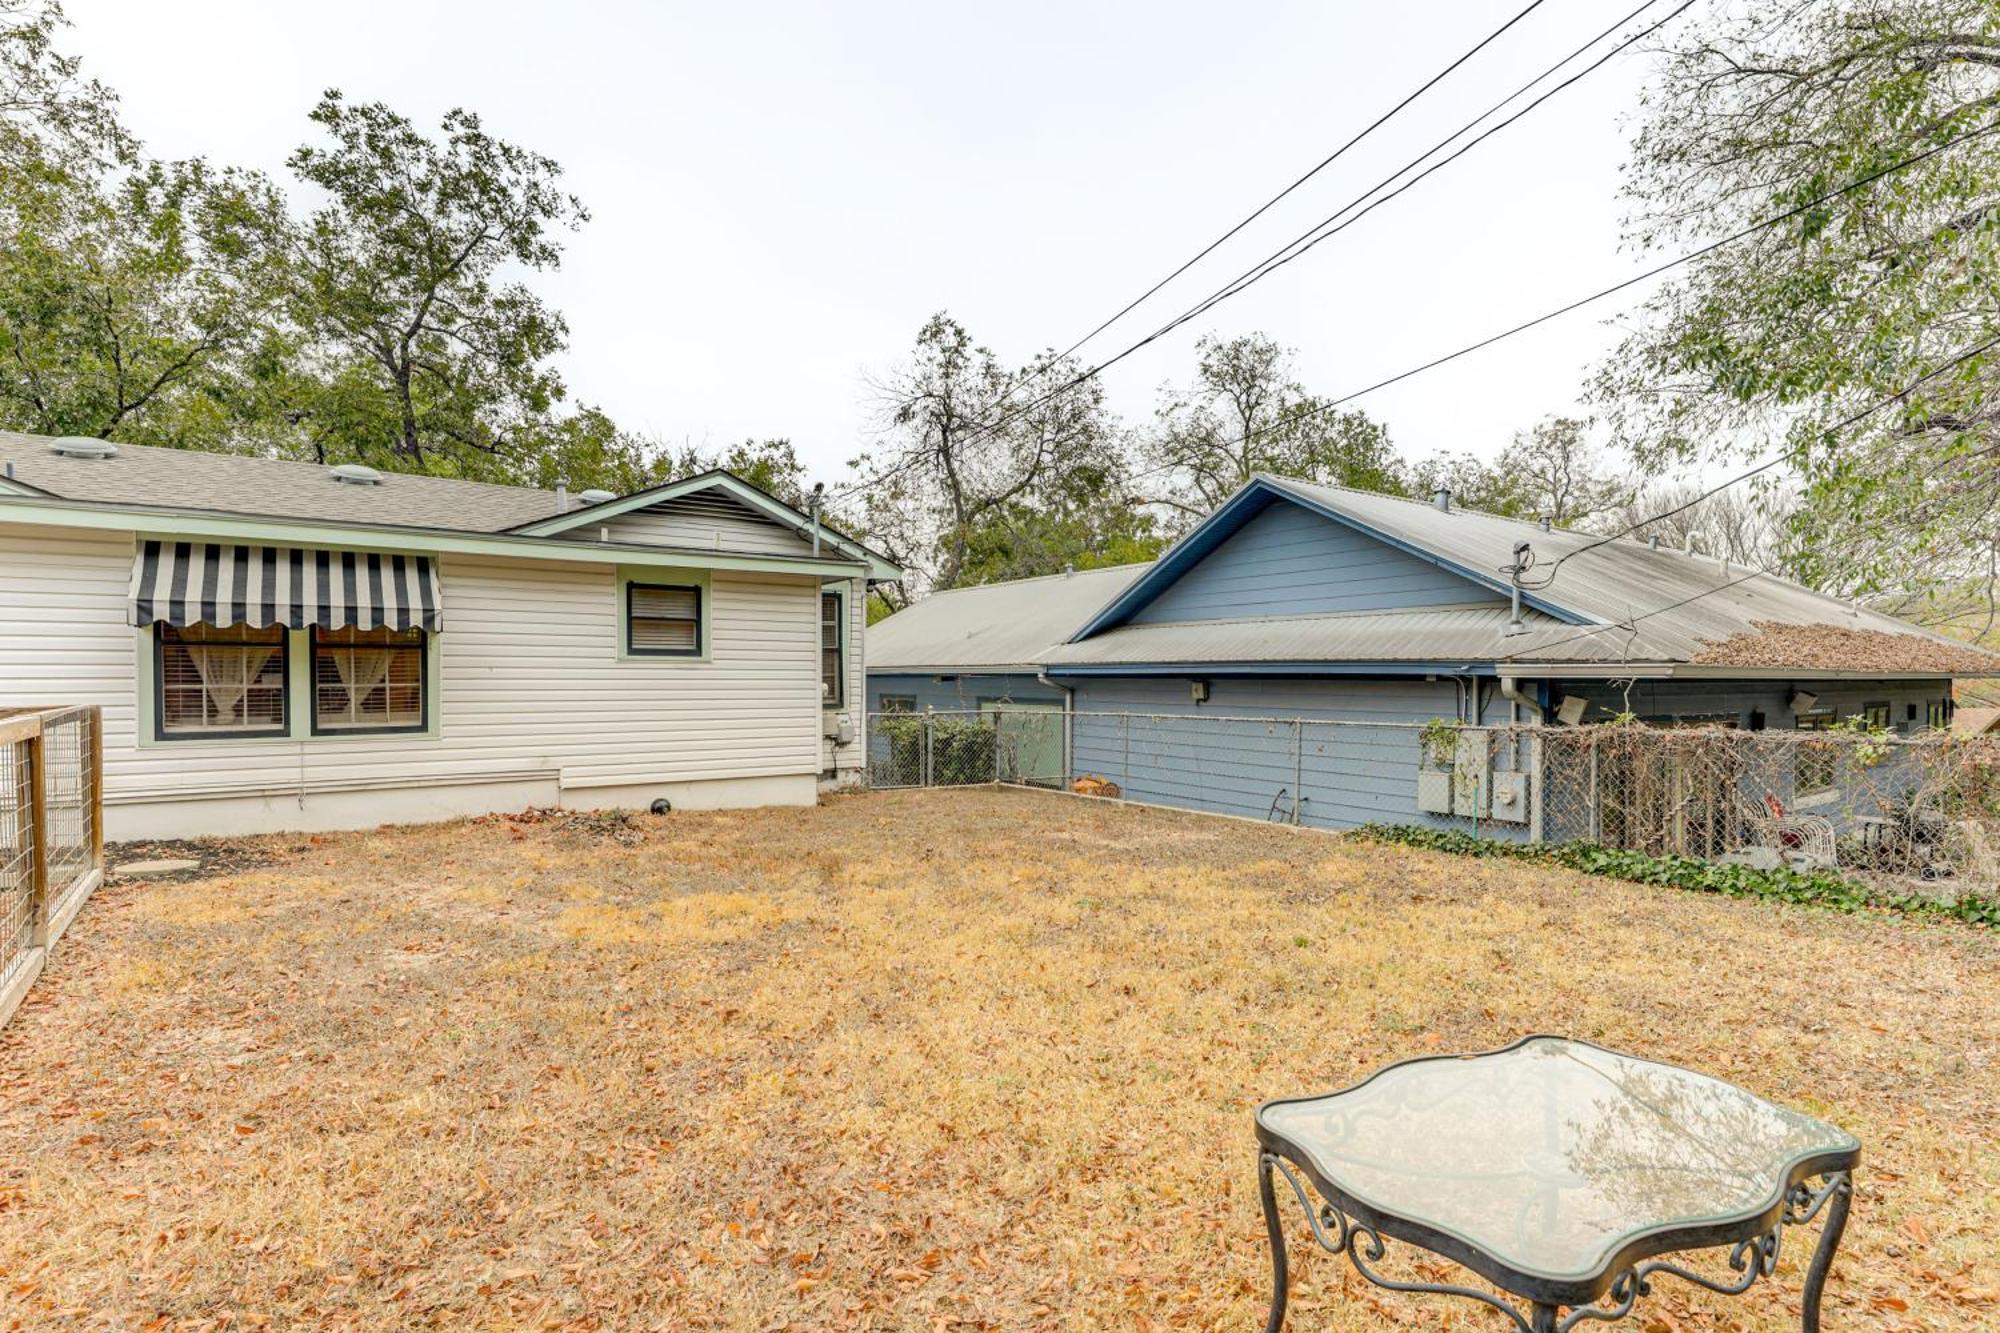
{"points": [[976, 1059]]}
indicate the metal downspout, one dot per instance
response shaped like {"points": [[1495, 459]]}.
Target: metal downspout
{"points": [[1069, 716]]}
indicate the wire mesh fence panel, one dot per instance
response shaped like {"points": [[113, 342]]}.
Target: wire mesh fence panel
{"points": [[1919, 812], [68, 799], [17, 890]]}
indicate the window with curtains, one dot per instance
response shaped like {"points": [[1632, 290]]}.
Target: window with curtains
{"points": [[662, 620], [219, 682], [832, 660], [368, 680]]}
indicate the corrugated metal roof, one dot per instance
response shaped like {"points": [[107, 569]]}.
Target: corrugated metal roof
{"points": [[1645, 606], [191, 479], [1428, 634], [1610, 584], [995, 625]]}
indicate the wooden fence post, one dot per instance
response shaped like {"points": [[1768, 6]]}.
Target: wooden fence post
{"points": [[94, 759], [36, 746]]}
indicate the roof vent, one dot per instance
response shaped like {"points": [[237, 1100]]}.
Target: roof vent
{"points": [[357, 474], [1548, 521], [595, 497], [1441, 498], [83, 446]]}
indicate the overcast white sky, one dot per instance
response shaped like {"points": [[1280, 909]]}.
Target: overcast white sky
{"points": [[782, 193]]}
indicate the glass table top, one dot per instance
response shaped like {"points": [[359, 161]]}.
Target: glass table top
{"points": [[1552, 1154]]}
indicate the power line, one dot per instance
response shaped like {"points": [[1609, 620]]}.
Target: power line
{"points": [[1281, 256], [1842, 424], [1768, 463], [1265, 207], [1325, 229], [1323, 164], [1632, 281]]}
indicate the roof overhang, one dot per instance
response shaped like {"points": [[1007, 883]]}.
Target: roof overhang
{"points": [[1256, 495], [881, 569], [158, 521], [983, 669]]}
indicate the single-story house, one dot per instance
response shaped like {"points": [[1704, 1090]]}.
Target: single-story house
{"points": [[1299, 601], [285, 646]]}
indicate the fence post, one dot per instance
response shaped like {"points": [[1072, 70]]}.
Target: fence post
{"points": [[997, 711], [1596, 819], [38, 839], [924, 771], [1298, 763], [1537, 781], [94, 797]]}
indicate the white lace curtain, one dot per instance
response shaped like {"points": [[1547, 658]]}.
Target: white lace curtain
{"points": [[227, 672], [361, 671]]}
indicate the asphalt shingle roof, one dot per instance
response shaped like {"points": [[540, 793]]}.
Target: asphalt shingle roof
{"points": [[231, 483]]}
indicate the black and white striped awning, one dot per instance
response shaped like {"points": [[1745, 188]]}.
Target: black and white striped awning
{"points": [[189, 583]]}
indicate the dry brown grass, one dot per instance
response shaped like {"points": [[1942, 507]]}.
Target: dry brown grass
{"points": [[925, 1060]]}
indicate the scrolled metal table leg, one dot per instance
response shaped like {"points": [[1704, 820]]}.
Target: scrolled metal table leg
{"points": [[1829, 1241], [1280, 1278]]}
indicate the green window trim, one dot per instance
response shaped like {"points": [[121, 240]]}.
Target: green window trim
{"points": [[298, 686], [836, 696], [156, 678], [652, 576], [425, 678]]}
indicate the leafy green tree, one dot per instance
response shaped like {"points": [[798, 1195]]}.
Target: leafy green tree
{"points": [[966, 444], [1553, 469], [1777, 342], [1245, 413], [51, 116], [772, 466], [418, 346], [1473, 483], [128, 288]]}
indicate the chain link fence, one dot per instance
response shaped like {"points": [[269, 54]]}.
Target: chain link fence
{"points": [[1911, 812], [1000, 743], [1902, 810]]}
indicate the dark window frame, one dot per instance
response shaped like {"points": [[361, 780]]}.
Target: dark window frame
{"points": [[1811, 760], [908, 702], [160, 732], [838, 699], [700, 620], [423, 692]]}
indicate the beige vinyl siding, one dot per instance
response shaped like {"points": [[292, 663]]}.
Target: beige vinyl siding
{"points": [[529, 680], [845, 757], [700, 523]]}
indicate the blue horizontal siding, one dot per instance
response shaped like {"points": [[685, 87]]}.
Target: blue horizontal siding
{"points": [[1291, 561], [951, 694], [1206, 759]]}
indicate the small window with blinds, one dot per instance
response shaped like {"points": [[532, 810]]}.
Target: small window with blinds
{"points": [[212, 682], [662, 620], [832, 664], [368, 680]]}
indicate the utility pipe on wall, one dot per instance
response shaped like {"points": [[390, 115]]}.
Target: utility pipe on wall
{"points": [[1069, 716]]}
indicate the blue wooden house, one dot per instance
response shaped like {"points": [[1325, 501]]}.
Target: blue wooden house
{"points": [[1302, 603]]}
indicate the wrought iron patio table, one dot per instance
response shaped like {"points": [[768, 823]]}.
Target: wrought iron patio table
{"points": [[1558, 1171]]}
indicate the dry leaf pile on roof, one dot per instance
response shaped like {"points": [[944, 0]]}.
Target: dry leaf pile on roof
{"points": [[1845, 648]]}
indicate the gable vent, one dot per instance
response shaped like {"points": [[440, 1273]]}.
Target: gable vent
{"points": [[357, 474], [83, 446]]}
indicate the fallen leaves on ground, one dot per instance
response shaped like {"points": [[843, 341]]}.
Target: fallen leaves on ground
{"points": [[933, 1060]]}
